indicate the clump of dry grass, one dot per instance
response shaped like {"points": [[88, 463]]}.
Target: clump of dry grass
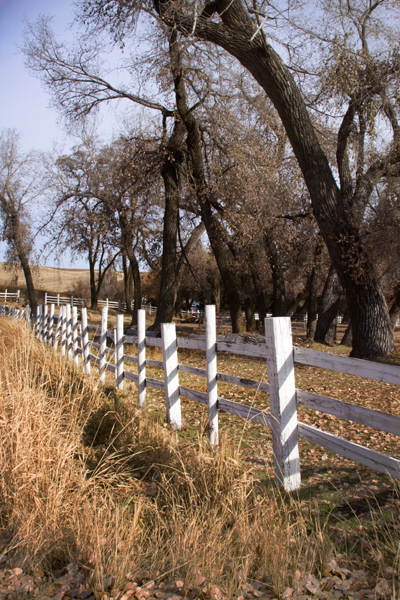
{"points": [[136, 500]]}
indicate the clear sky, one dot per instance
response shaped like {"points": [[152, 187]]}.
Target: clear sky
{"points": [[24, 104]]}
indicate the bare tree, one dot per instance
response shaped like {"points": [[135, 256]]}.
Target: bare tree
{"points": [[19, 188], [239, 29]]}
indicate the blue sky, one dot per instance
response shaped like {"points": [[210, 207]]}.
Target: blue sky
{"points": [[24, 104]]}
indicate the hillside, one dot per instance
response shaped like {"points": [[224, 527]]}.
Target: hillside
{"points": [[54, 279]]}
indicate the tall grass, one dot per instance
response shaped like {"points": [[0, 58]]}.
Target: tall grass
{"points": [[114, 491]]}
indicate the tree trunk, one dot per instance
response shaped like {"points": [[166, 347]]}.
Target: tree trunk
{"points": [[94, 290], [168, 290], [327, 323], [249, 312], [395, 308], [128, 284], [214, 230], [30, 288], [259, 295], [22, 250], [313, 293], [347, 339], [137, 286], [372, 331], [226, 266], [278, 280]]}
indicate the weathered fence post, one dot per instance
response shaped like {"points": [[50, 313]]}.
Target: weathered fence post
{"points": [[45, 297], [5, 296], [141, 319], [45, 323], [75, 334], [282, 393], [171, 375], [103, 344], [63, 330], [58, 299], [58, 330], [85, 342], [211, 358], [39, 321], [72, 300], [51, 326], [69, 332], [119, 353]]}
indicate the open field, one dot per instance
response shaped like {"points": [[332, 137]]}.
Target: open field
{"points": [[111, 489], [47, 279]]}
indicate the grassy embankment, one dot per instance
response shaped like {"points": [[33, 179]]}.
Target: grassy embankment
{"points": [[87, 477]]}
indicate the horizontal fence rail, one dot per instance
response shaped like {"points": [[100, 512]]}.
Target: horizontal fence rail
{"points": [[10, 296], [73, 336]]}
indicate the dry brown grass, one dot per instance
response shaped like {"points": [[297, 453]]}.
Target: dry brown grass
{"points": [[117, 492]]}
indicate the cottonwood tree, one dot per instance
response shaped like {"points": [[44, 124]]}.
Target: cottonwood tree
{"points": [[77, 219], [20, 186], [78, 85], [239, 29]]}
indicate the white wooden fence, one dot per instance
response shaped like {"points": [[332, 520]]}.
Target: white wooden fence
{"points": [[10, 296], [280, 355]]}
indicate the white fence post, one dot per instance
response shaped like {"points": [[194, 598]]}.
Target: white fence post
{"points": [[85, 342], [75, 334], [141, 319], [45, 297], [40, 322], [171, 375], [58, 330], [5, 296], [282, 393], [45, 323], [69, 332], [211, 358], [119, 353], [51, 326], [103, 344], [72, 300], [19, 295], [63, 330], [58, 299]]}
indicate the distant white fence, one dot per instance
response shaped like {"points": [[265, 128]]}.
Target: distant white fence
{"points": [[280, 355], [10, 296], [16, 313]]}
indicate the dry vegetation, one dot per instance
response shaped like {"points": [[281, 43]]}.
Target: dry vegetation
{"points": [[50, 279], [87, 478]]}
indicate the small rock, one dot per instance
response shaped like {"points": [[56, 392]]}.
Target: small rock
{"points": [[199, 580], [288, 593], [86, 593], [193, 593], [109, 582], [141, 594], [127, 594], [215, 593]]}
